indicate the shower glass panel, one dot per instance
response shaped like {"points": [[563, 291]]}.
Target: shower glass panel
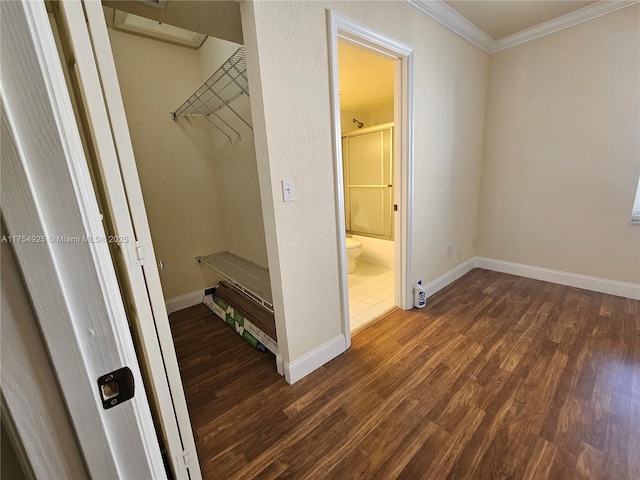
{"points": [[369, 211], [368, 182]]}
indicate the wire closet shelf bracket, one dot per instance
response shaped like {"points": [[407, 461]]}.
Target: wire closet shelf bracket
{"points": [[227, 84]]}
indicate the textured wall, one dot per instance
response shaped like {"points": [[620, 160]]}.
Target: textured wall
{"points": [[175, 160], [294, 140], [562, 155], [235, 166]]}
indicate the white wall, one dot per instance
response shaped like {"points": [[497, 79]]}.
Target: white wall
{"points": [[174, 161], [213, 53], [562, 156], [382, 116], [450, 85], [200, 191], [235, 166]]}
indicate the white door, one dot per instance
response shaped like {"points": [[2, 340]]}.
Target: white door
{"points": [[52, 221], [95, 74]]}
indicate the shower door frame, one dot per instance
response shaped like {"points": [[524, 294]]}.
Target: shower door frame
{"points": [[348, 181], [342, 27]]}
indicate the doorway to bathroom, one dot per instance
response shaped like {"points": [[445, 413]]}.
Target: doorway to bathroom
{"points": [[366, 112], [371, 102]]}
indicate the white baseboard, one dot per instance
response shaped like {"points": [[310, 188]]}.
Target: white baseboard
{"points": [[452, 275], [280, 365], [300, 367], [184, 301], [612, 287]]}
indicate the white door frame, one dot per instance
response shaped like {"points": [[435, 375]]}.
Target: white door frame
{"points": [[344, 28], [48, 197], [98, 82]]}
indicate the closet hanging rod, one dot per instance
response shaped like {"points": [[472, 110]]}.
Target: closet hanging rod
{"points": [[219, 129], [219, 118], [226, 84]]}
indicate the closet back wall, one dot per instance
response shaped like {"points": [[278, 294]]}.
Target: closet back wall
{"points": [[179, 162], [236, 167]]}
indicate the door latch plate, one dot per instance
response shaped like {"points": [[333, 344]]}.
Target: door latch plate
{"points": [[116, 387]]}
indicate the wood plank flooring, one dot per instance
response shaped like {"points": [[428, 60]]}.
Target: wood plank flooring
{"points": [[498, 377]]}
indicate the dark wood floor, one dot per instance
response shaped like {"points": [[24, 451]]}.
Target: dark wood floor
{"points": [[498, 377]]}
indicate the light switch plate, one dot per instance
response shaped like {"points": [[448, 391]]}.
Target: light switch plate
{"points": [[288, 194]]}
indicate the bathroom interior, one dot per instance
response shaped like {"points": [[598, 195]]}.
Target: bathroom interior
{"points": [[366, 81]]}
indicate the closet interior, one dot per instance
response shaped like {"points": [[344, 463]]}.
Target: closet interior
{"points": [[186, 97], [227, 83]]}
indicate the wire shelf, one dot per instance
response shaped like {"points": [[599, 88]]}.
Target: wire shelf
{"points": [[227, 84], [245, 276]]}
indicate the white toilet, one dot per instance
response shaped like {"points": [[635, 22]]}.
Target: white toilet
{"points": [[354, 249]]}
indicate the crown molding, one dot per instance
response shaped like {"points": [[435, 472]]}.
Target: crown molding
{"points": [[452, 20], [449, 18], [565, 21]]}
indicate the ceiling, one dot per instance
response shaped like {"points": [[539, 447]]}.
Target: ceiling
{"points": [[220, 19], [366, 79], [499, 19], [495, 25]]}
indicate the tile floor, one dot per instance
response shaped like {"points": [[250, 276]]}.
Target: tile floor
{"points": [[371, 293]]}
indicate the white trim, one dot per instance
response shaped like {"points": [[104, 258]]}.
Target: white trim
{"points": [[356, 32], [158, 341], [404, 221], [299, 368], [447, 17], [635, 210], [99, 77], [83, 324], [332, 25], [595, 284], [612, 287], [452, 20], [343, 27], [576, 17], [184, 301], [434, 286], [304, 365], [280, 365], [45, 443]]}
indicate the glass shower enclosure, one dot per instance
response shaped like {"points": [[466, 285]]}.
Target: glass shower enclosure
{"points": [[368, 177]]}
